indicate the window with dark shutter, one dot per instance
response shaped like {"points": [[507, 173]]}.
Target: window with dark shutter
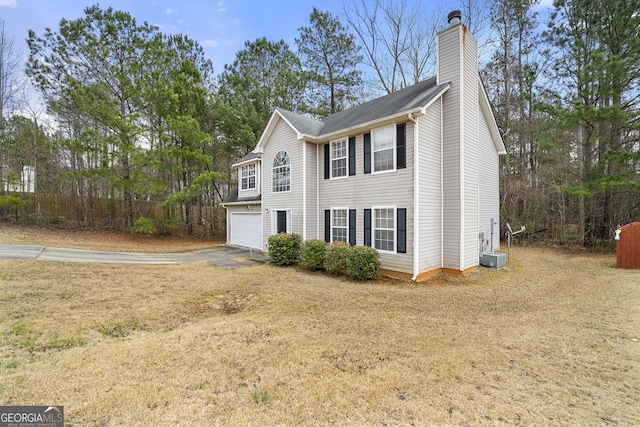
{"points": [[352, 227], [402, 230], [367, 153], [352, 156], [367, 227], [401, 146], [327, 161], [327, 225]]}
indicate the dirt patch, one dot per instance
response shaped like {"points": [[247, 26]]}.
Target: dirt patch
{"points": [[550, 340]]}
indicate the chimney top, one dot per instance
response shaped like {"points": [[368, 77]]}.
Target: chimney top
{"points": [[454, 17]]}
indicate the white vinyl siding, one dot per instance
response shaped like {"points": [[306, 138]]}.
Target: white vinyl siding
{"points": [[471, 141], [362, 191], [489, 187], [339, 158], [449, 70], [283, 138], [430, 187]]}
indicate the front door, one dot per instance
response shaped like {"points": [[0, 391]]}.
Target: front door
{"points": [[281, 221]]}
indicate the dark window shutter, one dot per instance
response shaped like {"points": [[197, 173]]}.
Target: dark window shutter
{"points": [[367, 227], [352, 156], [327, 225], [402, 230], [352, 227], [401, 146], [367, 153], [327, 161]]}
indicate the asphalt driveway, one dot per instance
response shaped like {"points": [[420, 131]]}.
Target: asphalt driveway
{"points": [[225, 256]]}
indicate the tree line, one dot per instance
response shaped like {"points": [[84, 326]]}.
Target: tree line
{"points": [[140, 115]]}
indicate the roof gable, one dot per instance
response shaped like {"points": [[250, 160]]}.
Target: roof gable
{"points": [[485, 106], [410, 99]]}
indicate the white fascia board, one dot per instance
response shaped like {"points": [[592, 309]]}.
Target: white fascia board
{"points": [[269, 129], [363, 126], [490, 118], [423, 111], [253, 202], [246, 162]]}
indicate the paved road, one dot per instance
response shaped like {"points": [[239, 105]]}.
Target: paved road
{"points": [[226, 256]]}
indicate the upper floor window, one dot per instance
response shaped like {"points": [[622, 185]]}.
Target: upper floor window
{"points": [[248, 177], [339, 158], [383, 142], [281, 172]]}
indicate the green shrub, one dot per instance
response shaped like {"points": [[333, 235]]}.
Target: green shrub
{"points": [[335, 257], [312, 254], [284, 248], [362, 263], [143, 225], [11, 202]]}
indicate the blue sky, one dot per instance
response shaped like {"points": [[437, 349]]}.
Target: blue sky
{"points": [[221, 27]]}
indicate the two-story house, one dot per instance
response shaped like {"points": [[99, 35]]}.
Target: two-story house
{"points": [[413, 174]]}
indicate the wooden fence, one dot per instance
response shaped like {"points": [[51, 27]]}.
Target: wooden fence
{"points": [[628, 246]]}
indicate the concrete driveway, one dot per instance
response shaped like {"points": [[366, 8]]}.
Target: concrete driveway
{"points": [[225, 256]]}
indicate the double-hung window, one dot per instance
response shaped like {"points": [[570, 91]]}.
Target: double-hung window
{"points": [[281, 172], [383, 142], [339, 158], [384, 229], [248, 174], [339, 225]]}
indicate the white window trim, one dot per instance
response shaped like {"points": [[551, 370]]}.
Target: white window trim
{"points": [[394, 155], [290, 174], [346, 158], [395, 228], [346, 210], [255, 177]]}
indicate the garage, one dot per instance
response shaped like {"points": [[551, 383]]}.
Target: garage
{"points": [[246, 230]]}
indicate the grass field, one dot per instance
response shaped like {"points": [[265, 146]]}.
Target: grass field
{"points": [[553, 339]]}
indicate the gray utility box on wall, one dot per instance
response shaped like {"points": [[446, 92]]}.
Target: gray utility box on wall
{"points": [[493, 260]]}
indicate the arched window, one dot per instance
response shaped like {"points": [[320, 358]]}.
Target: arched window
{"points": [[281, 172]]}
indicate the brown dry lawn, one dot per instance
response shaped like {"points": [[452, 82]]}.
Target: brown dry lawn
{"points": [[550, 340]]}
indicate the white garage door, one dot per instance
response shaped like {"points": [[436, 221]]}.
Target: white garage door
{"points": [[246, 230]]}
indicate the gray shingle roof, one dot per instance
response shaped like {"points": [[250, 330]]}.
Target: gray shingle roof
{"points": [[407, 99], [248, 157], [233, 198]]}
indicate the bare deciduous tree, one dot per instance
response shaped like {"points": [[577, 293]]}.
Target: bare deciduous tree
{"points": [[398, 41], [9, 67]]}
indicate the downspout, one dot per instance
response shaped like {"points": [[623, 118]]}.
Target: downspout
{"points": [[416, 198], [441, 183], [478, 201], [304, 190], [462, 152], [317, 192]]}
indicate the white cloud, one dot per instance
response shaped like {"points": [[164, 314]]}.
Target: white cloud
{"points": [[218, 42], [8, 3], [222, 7], [169, 11]]}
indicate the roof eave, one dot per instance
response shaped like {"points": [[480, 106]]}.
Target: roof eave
{"points": [[414, 112], [491, 120]]}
